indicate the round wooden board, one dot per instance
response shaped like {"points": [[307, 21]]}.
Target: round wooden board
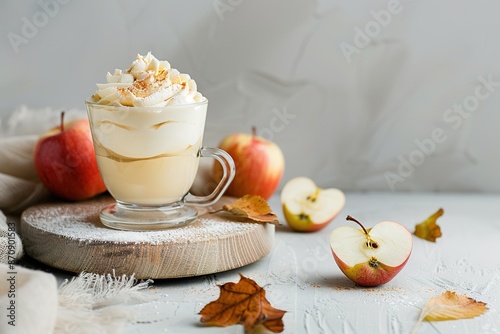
{"points": [[70, 236]]}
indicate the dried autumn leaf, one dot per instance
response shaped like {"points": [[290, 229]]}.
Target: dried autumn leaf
{"points": [[450, 306], [254, 208], [429, 229], [243, 303]]}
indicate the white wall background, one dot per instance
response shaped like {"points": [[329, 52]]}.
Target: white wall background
{"points": [[349, 122]]}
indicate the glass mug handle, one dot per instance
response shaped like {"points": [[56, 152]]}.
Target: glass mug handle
{"points": [[228, 172]]}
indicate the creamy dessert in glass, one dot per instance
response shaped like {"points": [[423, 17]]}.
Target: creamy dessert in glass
{"points": [[147, 125]]}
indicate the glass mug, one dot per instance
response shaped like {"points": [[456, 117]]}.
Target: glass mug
{"points": [[148, 158]]}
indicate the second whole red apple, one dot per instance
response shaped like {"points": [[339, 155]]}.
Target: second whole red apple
{"points": [[260, 164]]}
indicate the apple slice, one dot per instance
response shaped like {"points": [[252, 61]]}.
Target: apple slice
{"points": [[308, 208], [371, 257]]}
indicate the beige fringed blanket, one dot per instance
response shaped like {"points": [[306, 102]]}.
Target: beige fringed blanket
{"points": [[30, 300], [87, 304]]}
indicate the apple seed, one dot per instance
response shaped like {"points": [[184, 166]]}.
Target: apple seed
{"points": [[313, 198]]}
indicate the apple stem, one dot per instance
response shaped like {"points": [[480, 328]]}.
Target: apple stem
{"points": [[254, 131], [62, 121], [356, 221]]}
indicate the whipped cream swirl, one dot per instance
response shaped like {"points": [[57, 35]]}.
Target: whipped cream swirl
{"points": [[148, 82]]}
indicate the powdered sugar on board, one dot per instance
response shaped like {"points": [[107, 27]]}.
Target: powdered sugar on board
{"points": [[80, 222], [70, 236]]}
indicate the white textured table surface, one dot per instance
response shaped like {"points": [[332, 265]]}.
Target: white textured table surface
{"points": [[302, 278]]}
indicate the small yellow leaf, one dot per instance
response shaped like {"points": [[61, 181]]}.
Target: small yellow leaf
{"points": [[450, 306], [429, 229], [251, 207]]}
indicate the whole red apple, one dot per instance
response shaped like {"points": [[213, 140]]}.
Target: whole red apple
{"points": [[65, 161], [259, 164]]}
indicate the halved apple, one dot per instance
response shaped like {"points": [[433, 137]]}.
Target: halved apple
{"points": [[371, 257], [308, 208]]}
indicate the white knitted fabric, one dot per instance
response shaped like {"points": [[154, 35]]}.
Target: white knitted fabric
{"points": [[19, 188], [19, 185], [11, 248], [87, 304]]}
